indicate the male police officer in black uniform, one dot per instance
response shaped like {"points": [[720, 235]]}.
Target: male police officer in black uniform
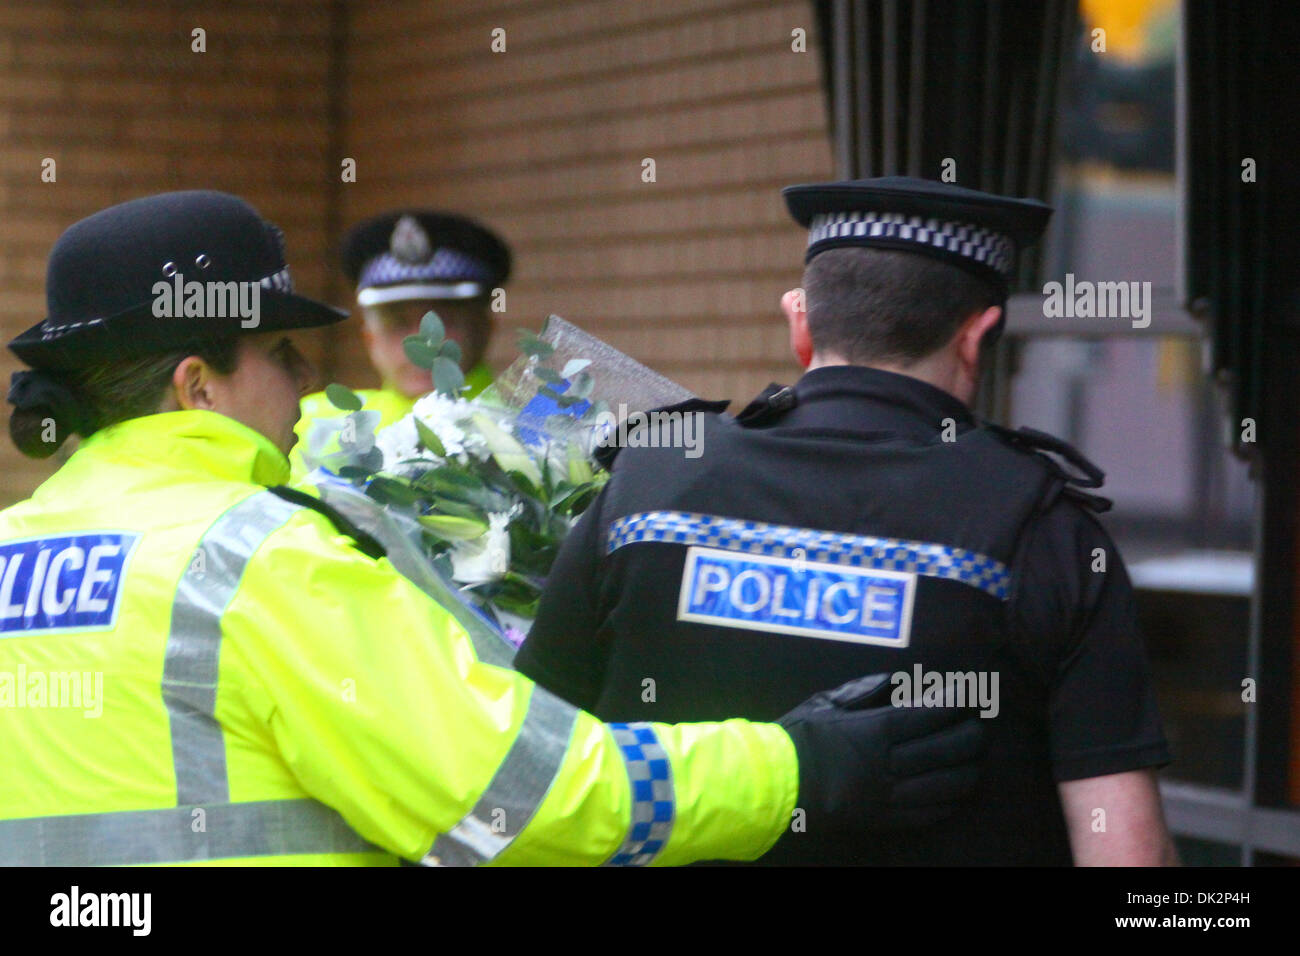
{"points": [[863, 521]]}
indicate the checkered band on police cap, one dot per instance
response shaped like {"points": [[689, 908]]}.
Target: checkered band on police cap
{"points": [[985, 247], [980, 232], [445, 265]]}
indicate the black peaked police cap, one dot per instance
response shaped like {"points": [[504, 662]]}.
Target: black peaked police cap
{"points": [[410, 254], [976, 231], [102, 280]]}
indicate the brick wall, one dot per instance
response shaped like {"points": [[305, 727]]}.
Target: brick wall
{"points": [[114, 94]]}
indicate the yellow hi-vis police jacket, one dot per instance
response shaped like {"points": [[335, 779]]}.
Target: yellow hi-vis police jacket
{"points": [[194, 669]]}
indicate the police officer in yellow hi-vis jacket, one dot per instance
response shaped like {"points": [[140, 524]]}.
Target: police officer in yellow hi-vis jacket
{"points": [[403, 264], [198, 666]]}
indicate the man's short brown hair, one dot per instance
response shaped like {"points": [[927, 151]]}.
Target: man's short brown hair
{"points": [[883, 306]]}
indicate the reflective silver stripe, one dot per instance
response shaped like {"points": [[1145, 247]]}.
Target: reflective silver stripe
{"points": [[401, 537], [224, 831], [517, 789], [194, 644]]}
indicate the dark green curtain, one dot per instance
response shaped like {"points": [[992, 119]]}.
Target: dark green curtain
{"points": [[1242, 266]]}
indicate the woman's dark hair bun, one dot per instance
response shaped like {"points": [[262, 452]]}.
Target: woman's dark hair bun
{"points": [[46, 411]]}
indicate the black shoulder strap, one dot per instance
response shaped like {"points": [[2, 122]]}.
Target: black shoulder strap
{"points": [[1031, 439], [366, 544], [771, 402]]}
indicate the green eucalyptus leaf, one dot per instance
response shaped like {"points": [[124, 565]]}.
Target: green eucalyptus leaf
{"points": [[420, 352], [531, 345], [447, 376], [340, 396], [431, 327], [451, 350]]}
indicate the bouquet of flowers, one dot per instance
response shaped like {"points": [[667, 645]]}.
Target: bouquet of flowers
{"points": [[483, 491]]}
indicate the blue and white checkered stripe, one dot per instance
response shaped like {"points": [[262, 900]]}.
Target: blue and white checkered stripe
{"points": [[993, 249], [651, 776], [756, 537], [446, 265]]}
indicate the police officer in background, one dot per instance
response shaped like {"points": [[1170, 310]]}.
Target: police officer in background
{"points": [[403, 264], [268, 688], [863, 521]]}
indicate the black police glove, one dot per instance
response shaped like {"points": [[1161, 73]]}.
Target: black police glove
{"points": [[867, 765]]}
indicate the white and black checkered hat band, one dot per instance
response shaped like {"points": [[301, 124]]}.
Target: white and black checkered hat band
{"points": [[446, 265], [994, 250], [278, 281]]}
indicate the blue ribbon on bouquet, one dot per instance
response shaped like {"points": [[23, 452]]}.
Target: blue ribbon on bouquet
{"points": [[541, 407]]}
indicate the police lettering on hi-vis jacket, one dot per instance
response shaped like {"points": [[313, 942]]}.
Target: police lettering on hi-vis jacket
{"points": [[200, 664], [863, 521], [403, 264]]}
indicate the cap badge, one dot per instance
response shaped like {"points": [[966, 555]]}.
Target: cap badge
{"points": [[410, 243]]}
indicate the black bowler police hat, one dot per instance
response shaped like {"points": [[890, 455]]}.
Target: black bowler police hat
{"points": [[422, 254], [976, 231], [102, 280]]}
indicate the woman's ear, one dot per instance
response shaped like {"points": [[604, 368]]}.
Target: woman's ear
{"points": [[796, 314], [192, 381]]}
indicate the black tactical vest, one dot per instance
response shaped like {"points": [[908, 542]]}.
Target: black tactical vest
{"points": [[710, 612]]}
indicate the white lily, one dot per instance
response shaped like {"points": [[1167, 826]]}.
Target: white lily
{"points": [[485, 558]]}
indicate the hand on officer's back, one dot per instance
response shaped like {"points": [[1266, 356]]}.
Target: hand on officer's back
{"points": [[865, 763]]}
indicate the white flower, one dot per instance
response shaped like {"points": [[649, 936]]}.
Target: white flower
{"points": [[447, 418], [485, 558], [399, 441]]}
